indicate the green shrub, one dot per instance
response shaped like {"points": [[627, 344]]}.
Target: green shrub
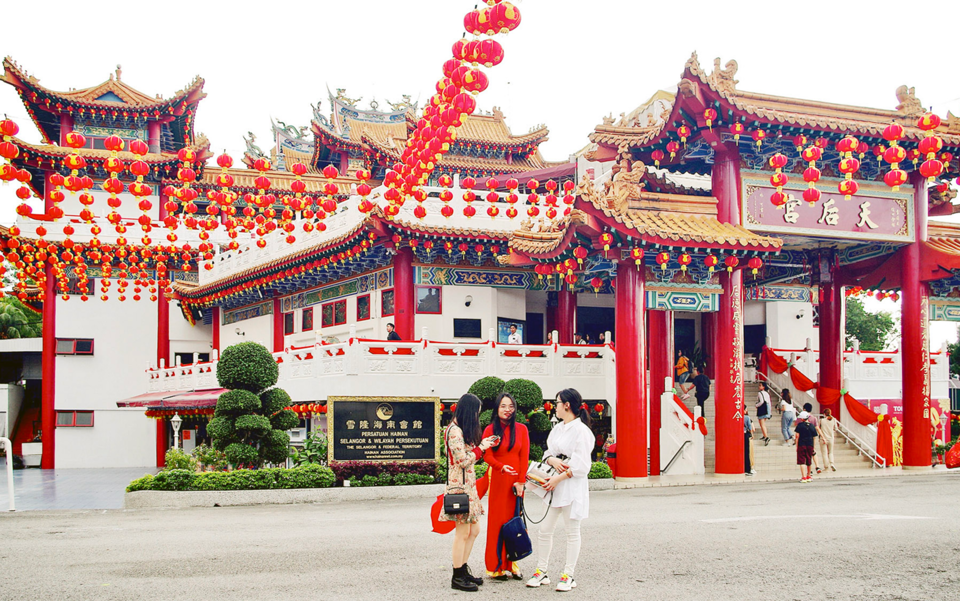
{"points": [[255, 424], [247, 366], [175, 459], [599, 470], [239, 453], [536, 452], [275, 447], [284, 420], [521, 418], [145, 482], [314, 450], [539, 422], [234, 402], [407, 479], [527, 393], [174, 480], [485, 417], [254, 479], [274, 400], [210, 457], [214, 481], [480, 470], [306, 476], [221, 428], [487, 389]]}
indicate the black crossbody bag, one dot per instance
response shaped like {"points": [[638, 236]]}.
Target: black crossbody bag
{"points": [[455, 503]]}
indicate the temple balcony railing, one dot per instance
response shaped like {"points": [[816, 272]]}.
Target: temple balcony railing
{"points": [[870, 375], [366, 367]]}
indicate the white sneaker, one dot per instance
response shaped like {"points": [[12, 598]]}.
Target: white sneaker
{"points": [[566, 583], [539, 577]]}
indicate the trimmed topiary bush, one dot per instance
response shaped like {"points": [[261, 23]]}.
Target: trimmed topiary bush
{"points": [[247, 366], [487, 389], [248, 428], [599, 470], [527, 393], [307, 476], [485, 418], [145, 482], [173, 480], [536, 452], [539, 422], [175, 459]]}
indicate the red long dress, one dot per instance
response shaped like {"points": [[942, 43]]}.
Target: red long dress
{"points": [[503, 501]]}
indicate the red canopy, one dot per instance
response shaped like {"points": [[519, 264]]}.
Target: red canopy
{"points": [[175, 399]]}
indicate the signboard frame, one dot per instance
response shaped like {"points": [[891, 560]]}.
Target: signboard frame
{"points": [[378, 400], [751, 181]]}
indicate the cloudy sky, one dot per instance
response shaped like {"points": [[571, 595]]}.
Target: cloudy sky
{"points": [[567, 65]]}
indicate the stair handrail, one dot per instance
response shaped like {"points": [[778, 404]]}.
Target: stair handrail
{"points": [[861, 445], [676, 456]]}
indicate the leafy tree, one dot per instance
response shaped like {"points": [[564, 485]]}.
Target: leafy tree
{"points": [[250, 421], [954, 349], [871, 329], [17, 320]]}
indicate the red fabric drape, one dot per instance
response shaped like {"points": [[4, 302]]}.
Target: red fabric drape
{"points": [[862, 414], [776, 362], [801, 381], [444, 527], [884, 439], [827, 396]]}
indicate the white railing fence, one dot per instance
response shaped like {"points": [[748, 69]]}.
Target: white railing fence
{"points": [[681, 442]]}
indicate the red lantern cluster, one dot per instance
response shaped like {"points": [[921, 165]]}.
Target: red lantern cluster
{"points": [[930, 146], [811, 174], [894, 155], [779, 179]]}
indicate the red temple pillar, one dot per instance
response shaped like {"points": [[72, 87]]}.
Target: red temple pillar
{"points": [[277, 325], [66, 126], [161, 442], [728, 325], [831, 326], [660, 324], [404, 294], [631, 433], [914, 340], [163, 358], [566, 316], [153, 136], [48, 385], [215, 318]]}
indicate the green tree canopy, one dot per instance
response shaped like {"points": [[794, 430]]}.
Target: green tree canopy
{"points": [[954, 349], [872, 329], [17, 320]]}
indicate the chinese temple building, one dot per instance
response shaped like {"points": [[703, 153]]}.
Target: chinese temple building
{"points": [[692, 224]]}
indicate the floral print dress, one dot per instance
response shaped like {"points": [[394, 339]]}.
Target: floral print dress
{"points": [[461, 478]]}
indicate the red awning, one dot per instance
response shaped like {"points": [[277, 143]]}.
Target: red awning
{"points": [[542, 175], [175, 399]]}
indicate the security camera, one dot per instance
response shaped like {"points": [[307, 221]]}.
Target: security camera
{"points": [[468, 300]]}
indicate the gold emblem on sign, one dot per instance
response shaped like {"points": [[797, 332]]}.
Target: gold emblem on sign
{"points": [[384, 411]]}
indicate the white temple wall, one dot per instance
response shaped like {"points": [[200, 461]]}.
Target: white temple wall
{"points": [[257, 329], [789, 324]]}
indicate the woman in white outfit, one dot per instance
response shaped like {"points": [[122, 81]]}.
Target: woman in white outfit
{"points": [[572, 439], [828, 429]]}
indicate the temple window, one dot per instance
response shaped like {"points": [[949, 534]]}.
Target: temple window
{"points": [[363, 307], [428, 299], [334, 314], [306, 320], [288, 323], [386, 302]]}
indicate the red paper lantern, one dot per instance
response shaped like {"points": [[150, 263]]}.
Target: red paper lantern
{"points": [[662, 260], [731, 262]]}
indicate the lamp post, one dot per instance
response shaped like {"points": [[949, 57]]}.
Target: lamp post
{"points": [[175, 421]]}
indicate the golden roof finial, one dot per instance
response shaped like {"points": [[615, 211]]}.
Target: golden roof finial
{"points": [[118, 72]]}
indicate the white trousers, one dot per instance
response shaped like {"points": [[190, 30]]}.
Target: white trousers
{"points": [[826, 449], [547, 526]]}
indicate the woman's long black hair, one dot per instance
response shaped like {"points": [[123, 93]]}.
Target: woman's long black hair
{"points": [[468, 418], [511, 423], [571, 396]]}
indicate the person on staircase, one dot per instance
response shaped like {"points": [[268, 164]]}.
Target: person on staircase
{"points": [[701, 382], [804, 437], [748, 430], [682, 367], [828, 430], [813, 421], [764, 408], [788, 415]]}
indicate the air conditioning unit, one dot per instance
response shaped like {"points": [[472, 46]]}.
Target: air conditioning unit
{"points": [[298, 435]]}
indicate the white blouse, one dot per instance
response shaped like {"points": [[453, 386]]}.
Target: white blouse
{"points": [[575, 440]]}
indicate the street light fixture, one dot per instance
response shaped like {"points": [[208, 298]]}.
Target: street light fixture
{"points": [[175, 421]]}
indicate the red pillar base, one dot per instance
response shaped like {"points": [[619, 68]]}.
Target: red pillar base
{"points": [[404, 295], [161, 443], [566, 316]]}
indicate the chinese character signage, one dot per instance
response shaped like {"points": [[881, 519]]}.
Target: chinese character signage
{"points": [[875, 213], [383, 428]]}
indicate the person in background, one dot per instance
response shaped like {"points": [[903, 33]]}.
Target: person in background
{"points": [[828, 430], [803, 438], [601, 339], [813, 421], [392, 332], [465, 447], [571, 438], [579, 339], [682, 367], [788, 414], [701, 383], [748, 430], [763, 411], [549, 338], [508, 461], [514, 337]]}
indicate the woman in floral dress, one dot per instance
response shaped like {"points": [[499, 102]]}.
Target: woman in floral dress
{"points": [[464, 449]]}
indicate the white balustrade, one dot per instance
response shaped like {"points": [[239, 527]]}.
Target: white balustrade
{"points": [[681, 441]]}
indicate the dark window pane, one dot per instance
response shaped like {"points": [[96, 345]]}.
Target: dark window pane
{"points": [[327, 315], [84, 347], [387, 301], [340, 312], [288, 323], [307, 324], [428, 299], [363, 307]]}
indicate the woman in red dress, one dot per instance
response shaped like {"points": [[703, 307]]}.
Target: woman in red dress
{"points": [[508, 471]]}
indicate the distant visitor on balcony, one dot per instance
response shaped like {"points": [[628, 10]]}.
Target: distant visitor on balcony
{"points": [[392, 332], [579, 339], [514, 337]]}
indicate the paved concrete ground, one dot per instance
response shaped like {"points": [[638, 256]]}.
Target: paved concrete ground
{"points": [[860, 539], [68, 488]]}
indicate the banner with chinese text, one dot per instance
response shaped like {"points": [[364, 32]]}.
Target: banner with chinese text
{"points": [[875, 213]]}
